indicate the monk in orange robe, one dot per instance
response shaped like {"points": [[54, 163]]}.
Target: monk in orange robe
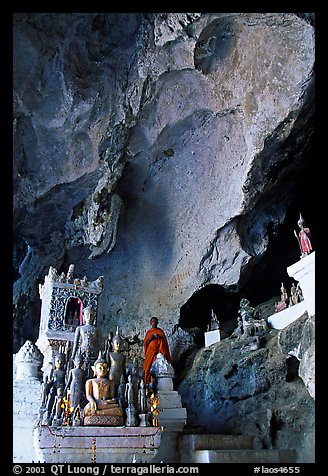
{"points": [[154, 342]]}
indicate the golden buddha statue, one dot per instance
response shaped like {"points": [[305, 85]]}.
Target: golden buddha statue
{"points": [[102, 409]]}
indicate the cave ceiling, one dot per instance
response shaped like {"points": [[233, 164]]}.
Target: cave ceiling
{"points": [[164, 151]]}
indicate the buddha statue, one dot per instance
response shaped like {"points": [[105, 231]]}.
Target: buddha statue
{"points": [[86, 340], [102, 409], [54, 386], [76, 382], [117, 361]]}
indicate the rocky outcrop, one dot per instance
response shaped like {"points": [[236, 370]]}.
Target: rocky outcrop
{"points": [[171, 140], [256, 393]]}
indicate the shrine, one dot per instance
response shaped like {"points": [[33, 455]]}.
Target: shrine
{"points": [[302, 295], [63, 300], [161, 162], [304, 272], [92, 405]]}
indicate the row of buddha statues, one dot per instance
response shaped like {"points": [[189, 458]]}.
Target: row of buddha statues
{"points": [[90, 386]]}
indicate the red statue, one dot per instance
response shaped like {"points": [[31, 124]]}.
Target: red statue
{"points": [[304, 238]]}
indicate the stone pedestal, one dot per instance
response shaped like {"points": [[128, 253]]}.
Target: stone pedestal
{"points": [[144, 419], [164, 384], [26, 400], [171, 413], [212, 337], [104, 420], [281, 319], [26, 403], [98, 445], [131, 419], [304, 272]]}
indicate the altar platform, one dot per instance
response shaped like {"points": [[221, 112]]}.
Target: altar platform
{"points": [[68, 444]]}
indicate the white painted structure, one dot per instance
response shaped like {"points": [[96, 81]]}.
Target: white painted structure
{"points": [[304, 272], [211, 337], [26, 402], [69, 444], [283, 318]]}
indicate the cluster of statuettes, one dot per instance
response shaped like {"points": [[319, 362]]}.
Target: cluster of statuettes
{"points": [[286, 300], [70, 396], [305, 245], [121, 398]]}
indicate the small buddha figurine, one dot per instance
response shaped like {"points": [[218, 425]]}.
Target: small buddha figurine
{"points": [[76, 382], [100, 393], [246, 311], [53, 274], [283, 303], [130, 398], [284, 295], [142, 398], [69, 319], [121, 393], [129, 391], [215, 325], [55, 384], [299, 293], [293, 295], [133, 371], [108, 346], [238, 332], [58, 409], [142, 404], [117, 360], [77, 416]]}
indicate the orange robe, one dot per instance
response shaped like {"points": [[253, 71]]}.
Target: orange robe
{"points": [[157, 345]]}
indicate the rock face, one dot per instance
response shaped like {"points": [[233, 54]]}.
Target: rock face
{"points": [[164, 139], [162, 151], [256, 393]]}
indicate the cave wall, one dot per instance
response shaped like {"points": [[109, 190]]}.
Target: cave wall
{"points": [[198, 122]]}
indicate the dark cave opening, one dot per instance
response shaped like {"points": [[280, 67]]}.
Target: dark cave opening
{"points": [[197, 311], [263, 280], [275, 425], [292, 366]]}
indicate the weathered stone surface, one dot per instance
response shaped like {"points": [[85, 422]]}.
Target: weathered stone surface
{"points": [[188, 120], [100, 444], [199, 123], [253, 394]]}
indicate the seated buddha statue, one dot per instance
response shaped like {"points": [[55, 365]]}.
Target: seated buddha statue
{"points": [[102, 409]]}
